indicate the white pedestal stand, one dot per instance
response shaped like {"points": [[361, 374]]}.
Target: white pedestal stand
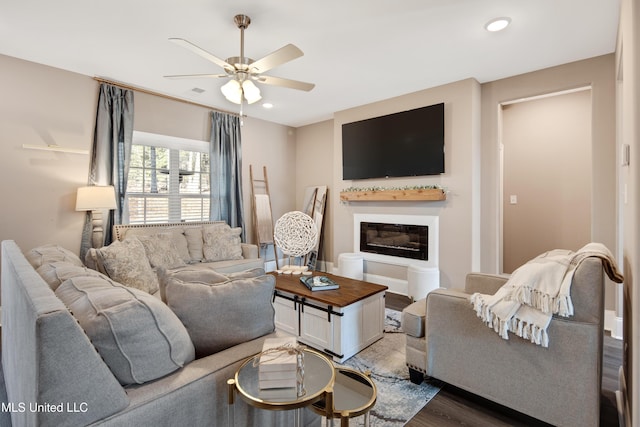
{"points": [[422, 280], [351, 265]]}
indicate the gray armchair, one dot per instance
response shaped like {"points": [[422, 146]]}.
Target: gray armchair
{"points": [[560, 384]]}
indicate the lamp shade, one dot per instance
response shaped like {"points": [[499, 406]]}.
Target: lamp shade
{"points": [[232, 91], [251, 92], [96, 197]]}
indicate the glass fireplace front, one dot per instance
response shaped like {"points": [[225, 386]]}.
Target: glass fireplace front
{"points": [[407, 241]]}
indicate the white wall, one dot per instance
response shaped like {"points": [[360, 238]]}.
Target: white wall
{"points": [[459, 214], [470, 215], [42, 105], [628, 77], [547, 166], [595, 72], [314, 159], [271, 145]]}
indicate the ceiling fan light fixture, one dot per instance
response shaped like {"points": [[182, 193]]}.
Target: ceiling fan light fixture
{"points": [[232, 91], [251, 92], [242, 71], [498, 24]]}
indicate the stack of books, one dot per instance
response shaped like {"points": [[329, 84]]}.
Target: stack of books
{"points": [[319, 283], [278, 369]]}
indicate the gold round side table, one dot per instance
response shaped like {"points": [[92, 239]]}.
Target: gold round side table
{"points": [[319, 376], [354, 394]]}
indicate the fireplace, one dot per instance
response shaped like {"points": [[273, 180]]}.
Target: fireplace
{"points": [[397, 239], [401, 240]]}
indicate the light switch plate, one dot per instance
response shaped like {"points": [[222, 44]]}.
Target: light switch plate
{"points": [[626, 154]]}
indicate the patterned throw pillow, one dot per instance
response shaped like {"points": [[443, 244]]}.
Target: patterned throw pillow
{"points": [[176, 233], [161, 251], [221, 243], [126, 262], [194, 243]]}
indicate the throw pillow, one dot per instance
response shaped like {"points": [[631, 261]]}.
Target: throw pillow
{"points": [[194, 242], [137, 335], [246, 274], [161, 251], [180, 241], [92, 260], [126, 262], [177, 237], [188, 274], [194, 274], [51, 253], [55, 273], [221, 243], [222, 315]]}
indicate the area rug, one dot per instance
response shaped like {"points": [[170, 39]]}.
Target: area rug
{"points": [[398, 398]]}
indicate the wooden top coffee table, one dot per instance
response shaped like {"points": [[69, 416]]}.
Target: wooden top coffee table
{"points": [[339, 322], [350, 291]]}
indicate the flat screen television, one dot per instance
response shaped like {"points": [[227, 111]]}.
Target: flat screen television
{"points": [[408, 143]]}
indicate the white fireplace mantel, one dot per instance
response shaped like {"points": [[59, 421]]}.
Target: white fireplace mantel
{"points": [[433, 238]]}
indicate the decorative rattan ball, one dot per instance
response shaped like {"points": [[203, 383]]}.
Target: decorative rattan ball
{"points": [[295, 233]]}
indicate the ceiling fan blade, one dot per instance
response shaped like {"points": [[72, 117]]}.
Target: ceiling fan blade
{"points": [[292, 84], [196, 76], [203, 53], [284, 54]]}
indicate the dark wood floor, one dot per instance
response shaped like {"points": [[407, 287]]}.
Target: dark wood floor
{"points": [[455, 407]]}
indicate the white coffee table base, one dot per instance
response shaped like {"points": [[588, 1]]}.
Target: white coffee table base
{"points": [[339, 331]]}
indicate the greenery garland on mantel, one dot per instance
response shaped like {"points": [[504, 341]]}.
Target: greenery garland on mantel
{"points": [[407, 193], [406, 187]]}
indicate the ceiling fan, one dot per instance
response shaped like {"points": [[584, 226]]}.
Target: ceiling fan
{"points": [[243, 71]]}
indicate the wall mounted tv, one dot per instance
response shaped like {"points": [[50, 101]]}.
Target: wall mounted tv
{"points": [[408, 143]]}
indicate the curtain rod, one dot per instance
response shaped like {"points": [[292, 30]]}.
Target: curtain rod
{"points": [[161, 95]]}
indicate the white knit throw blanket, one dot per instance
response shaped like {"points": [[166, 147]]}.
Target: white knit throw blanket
{"points": [[538, 289]]}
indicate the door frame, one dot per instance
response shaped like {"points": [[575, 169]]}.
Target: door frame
{"points": [[500, 198]]}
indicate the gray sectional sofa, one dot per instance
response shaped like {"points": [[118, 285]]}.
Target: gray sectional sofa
{"points": [[73, 357]]}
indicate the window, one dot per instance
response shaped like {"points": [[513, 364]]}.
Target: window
{"points": [[169, 179]]}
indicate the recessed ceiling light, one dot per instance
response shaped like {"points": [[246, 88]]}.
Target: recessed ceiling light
{"points": [[267, 105], [497, 24]]}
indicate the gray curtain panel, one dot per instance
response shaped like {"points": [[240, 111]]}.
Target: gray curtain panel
{"points": [[110, 154], [226, 170]]}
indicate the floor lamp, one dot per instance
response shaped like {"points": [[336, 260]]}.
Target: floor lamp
{"points": [[96, 198]]}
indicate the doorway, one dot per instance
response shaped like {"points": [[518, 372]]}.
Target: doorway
{"points": [[546, 175]]}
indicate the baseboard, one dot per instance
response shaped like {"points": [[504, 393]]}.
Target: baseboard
{"points": [[613, 324]]}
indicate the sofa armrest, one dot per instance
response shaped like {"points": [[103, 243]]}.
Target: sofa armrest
{"points": [[414, 315], [46, 356], [250, 251], [484, 283], [413, 318]]}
